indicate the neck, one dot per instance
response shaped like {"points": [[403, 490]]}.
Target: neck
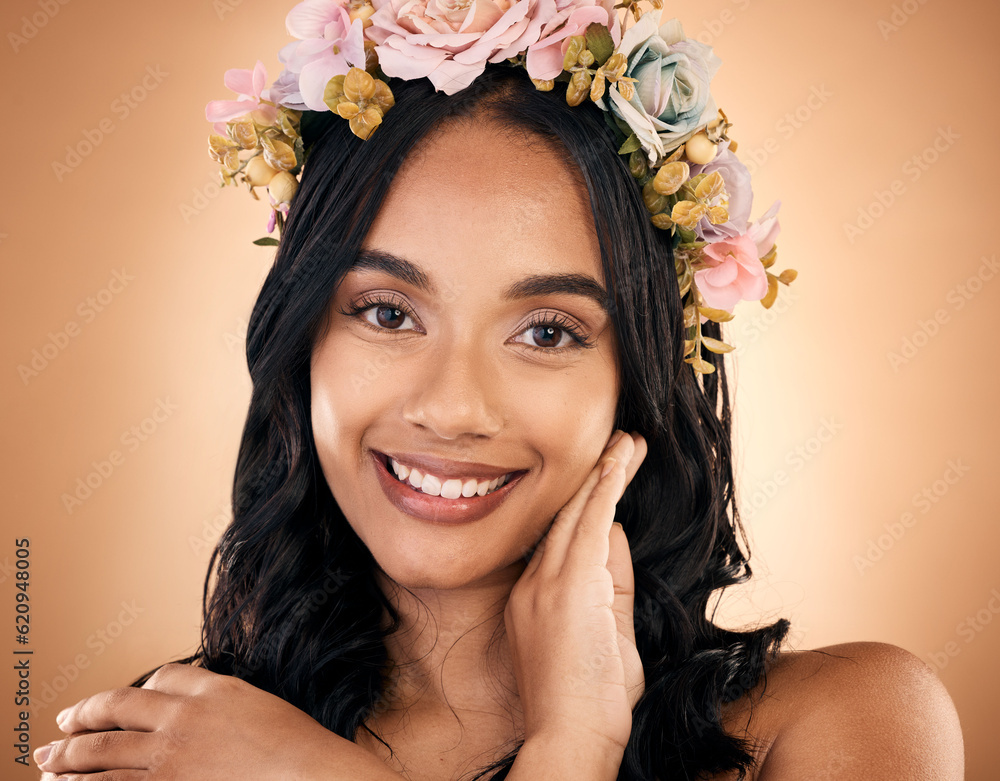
{"points": [[451, 650]]}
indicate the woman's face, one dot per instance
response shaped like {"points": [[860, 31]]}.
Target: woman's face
{"points": [[462, 360]]}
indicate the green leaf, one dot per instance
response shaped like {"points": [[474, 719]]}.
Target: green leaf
{"points": [[600, 42], [631, 145], [267, 241]]}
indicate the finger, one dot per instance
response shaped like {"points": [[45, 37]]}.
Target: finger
{"points": [[98, 751], [589, 536], [638, 456], [127, 708], [560, 534], [620, 566], [571, 506]]}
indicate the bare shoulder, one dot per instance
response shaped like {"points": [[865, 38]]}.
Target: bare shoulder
{"points": [[849, 711]]}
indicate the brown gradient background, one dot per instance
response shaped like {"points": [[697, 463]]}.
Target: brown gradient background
{"points": [[818, 363]]}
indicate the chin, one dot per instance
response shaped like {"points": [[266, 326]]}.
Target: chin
{"points": [[428, 574]]}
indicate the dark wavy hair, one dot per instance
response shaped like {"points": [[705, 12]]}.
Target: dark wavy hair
{"points": [[295, 609]]}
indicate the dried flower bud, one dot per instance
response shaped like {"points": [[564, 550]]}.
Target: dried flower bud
{"points": [[670, 177], [334, 92], [597, 86], [544, 85], [637, 164], [687, 213], [615, 66], [219, 147], [243, 133], [278, 154], [655, 203], [578, 88], [662, 221], [347, 110], [288, 121], [383, 99], [586, 58], [626, 86], [576, 45], [364, 124], [358, 85], [718, 215], [711, 186]]}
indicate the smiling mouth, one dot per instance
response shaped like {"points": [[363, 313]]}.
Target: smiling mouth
{"points": [[446, 488]]}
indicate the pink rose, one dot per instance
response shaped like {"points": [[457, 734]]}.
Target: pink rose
{"points": [[450, 41], [735, 273], [545, 58]]}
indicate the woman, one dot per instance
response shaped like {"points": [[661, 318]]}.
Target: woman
{"points": [[367, 621]]}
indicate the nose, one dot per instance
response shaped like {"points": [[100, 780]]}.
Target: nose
{"points": [[455, 393]]}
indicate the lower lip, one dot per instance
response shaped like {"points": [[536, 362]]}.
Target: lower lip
{"points": [[427, 507]]}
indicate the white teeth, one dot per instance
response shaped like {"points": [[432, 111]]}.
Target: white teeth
{"points": [[431, 485], [451, 488]]}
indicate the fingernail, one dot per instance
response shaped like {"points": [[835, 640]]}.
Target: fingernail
{"points": [[614, 438], [61, 716], [608, 466], [42, 753]]}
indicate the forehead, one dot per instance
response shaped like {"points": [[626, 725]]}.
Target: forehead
{"points": [[474, 195]]}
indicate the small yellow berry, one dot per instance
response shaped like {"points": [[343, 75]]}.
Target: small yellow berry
{"points": [[283, 187], [258, 173], [699, 149]]}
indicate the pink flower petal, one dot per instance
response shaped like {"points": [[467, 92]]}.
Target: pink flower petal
{"points": [[481, 17], [315, 75], [259, 78], [224, 110], [310, 18], [765, 231], [450, 76], [752, 286], [723, 274], [239, 81], [409, 65], [717, 298]]}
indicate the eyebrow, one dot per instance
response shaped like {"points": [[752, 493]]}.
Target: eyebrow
{"points": [[535, 285]]}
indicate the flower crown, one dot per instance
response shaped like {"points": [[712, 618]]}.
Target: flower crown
{"points": [[651, 82]]}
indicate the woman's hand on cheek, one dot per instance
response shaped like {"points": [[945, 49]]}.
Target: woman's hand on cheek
{"points": [[569, 618], [188, 723]]}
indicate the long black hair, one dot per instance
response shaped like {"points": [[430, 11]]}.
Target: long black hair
{"points": [[295, 608]]}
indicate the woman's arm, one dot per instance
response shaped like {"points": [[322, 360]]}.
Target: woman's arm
{"points": [[565, 757], [186, 722]]}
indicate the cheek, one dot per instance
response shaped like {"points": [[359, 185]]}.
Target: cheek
{"points": [[569, 425], [340, 406]]}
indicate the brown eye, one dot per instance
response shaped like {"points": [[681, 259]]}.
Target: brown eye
{"points": [[389, 316], [547, 335]]}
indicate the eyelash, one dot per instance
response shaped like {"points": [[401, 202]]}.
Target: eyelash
{"points": [[541, 319]]}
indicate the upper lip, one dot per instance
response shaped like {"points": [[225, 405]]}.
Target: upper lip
{"points": [[445, 467]]}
